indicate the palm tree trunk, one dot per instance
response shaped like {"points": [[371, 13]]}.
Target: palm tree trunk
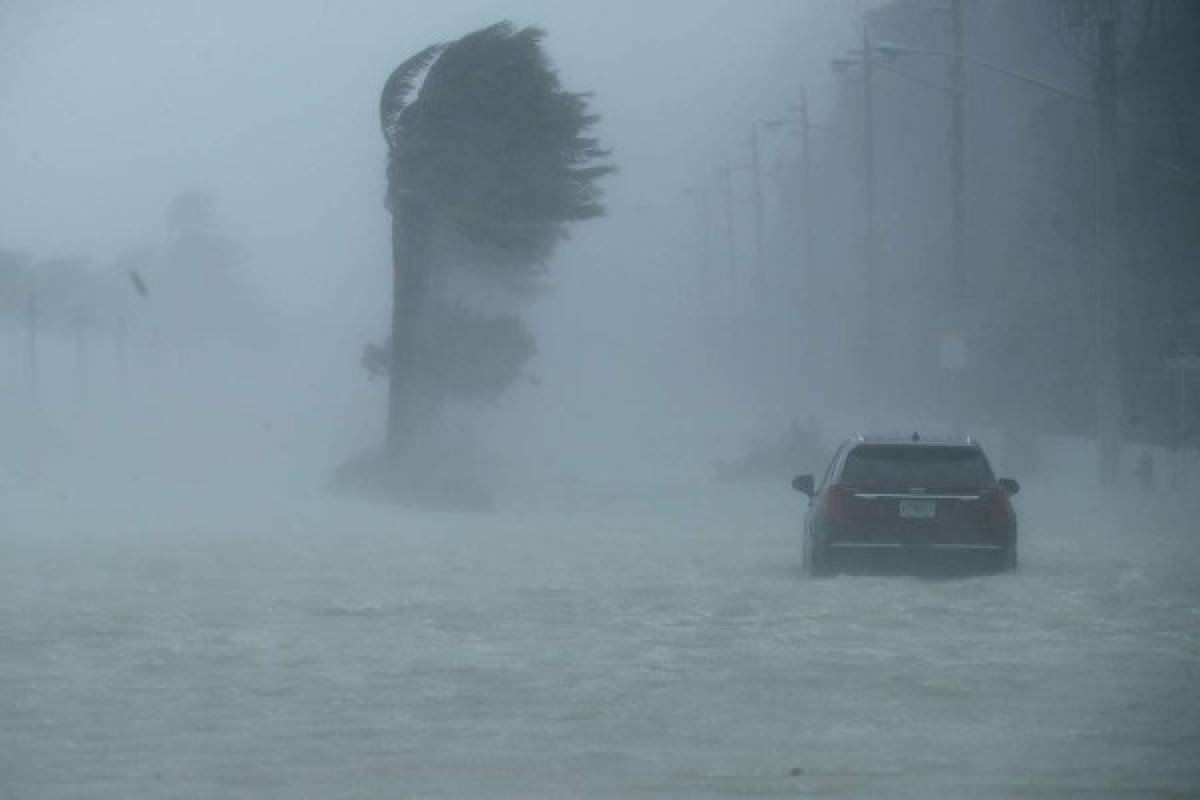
{"points": [[409, 269]]}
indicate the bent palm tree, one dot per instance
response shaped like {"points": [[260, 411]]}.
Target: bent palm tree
{"points": [[488, 161]]}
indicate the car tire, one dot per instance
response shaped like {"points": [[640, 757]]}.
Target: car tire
{"points": [[1008, 558], [819, 563]]}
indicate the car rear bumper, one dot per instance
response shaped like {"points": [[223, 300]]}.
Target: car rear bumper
{"points": [[916, 546], [913, 558]]}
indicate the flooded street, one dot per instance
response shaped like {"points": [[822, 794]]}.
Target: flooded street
{"points": [[227, 645]]}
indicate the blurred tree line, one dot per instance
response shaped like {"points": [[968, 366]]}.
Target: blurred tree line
{"points": [[184, 292]]}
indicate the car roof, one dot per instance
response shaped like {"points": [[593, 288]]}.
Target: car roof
{"points": [[914, 439]]}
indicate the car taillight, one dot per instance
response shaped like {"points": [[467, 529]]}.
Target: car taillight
{"points": [[837, 502], [999, 511]]}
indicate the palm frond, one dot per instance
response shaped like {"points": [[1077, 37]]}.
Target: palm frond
{"points": [[398, 90]]}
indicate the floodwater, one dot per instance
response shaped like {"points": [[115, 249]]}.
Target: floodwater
{"points": [[206, 641]]}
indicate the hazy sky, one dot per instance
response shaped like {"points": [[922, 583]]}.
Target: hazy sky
{"points": [[110, 107]]}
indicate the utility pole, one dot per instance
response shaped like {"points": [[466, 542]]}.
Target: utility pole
{"points": [[806, 187], [31, 346], [1108, 388], [80, 357], [120, 338], [871, 356], [1181, 430], [758, 207], [706, 260], [704, 241], [870, 235], [958, 127], [955, 317], [726, 178]]}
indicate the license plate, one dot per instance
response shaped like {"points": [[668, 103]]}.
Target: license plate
{"points": [[917, 509]]}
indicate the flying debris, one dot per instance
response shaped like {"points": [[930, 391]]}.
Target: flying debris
{"points": [[138, 283]]}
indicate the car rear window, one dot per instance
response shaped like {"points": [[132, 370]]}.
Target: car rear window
{"points": [[917, 466]]}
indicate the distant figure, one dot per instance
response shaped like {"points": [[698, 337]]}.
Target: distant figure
{"points": [[1144, 471]]}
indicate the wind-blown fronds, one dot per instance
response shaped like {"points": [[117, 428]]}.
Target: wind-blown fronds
{"points": [[494, 146], [401, 89]]}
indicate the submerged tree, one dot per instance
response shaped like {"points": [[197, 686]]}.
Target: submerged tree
{"points": [[488, 161]]}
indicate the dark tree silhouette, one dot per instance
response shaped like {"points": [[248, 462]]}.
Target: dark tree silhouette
{"points": [[488, 161]]}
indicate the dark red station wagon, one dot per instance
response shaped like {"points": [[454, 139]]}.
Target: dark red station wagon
{"points": [[908, 501]]}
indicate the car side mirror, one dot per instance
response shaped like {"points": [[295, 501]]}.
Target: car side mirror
{"points": [[804, 483], [1009, 485]]}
